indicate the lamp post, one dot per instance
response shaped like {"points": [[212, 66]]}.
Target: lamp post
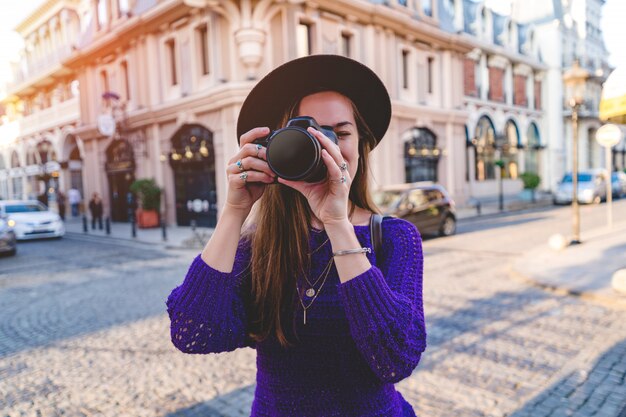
{"points": [[575, 78]]}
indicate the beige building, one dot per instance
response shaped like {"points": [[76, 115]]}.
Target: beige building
{"points": [[173, 74], [38, 151]]}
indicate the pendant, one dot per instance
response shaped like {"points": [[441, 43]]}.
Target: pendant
{"points": [[304, 316], [310, 292]]}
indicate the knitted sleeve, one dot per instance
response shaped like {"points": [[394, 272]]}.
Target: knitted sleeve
{"points": [[208, 311], [385, 310]]}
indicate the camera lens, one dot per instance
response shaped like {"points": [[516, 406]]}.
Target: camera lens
{"points": [[294, 154]]}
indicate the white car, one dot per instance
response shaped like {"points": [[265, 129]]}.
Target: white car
{"points": [[31, 220], [591, 187]]}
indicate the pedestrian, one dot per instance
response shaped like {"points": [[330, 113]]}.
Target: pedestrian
{"points": [[96, 209], [334, 324], [61, 203], [74, 197]]}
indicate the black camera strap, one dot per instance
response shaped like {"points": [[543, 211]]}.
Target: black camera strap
{"points": [[376, 232]]}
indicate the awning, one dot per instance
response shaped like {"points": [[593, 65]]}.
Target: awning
{"points": [[613, 102]]}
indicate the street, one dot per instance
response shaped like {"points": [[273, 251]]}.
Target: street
{"points": [[84, 332]]}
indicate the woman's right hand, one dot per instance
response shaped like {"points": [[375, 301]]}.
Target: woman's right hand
{"points": [[243, 194]]}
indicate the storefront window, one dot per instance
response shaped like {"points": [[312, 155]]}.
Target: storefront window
{"points": [[485, 145], [534, 147], [508, 150], [421, 155]]}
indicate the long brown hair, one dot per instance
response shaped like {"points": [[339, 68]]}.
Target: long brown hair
{"points": [[279, 231]]}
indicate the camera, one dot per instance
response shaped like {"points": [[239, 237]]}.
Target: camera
{"points": [[294, 154]]}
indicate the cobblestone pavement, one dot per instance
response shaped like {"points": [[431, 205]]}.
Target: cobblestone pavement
{"points": [[83, 332]]}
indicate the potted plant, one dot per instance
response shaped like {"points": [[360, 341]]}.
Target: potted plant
{"points": [[149, 202], [531, 182]]}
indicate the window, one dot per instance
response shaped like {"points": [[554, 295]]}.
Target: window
{"points": [[508, 150], [431, 61], [203, 46], [346, 44], [405, 69], [126, 85], [485, 149], [427, 7], [534, 146], [171, 56], [122, 7], [104, 81], [103, 13], [304, 39], [421, 155]]}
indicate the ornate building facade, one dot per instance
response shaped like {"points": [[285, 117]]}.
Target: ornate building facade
{"points": [[173, 74], [567, 31], [468, 88], [39, 152]]}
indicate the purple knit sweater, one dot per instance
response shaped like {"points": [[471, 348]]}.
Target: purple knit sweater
{"points": [[360, 338]]}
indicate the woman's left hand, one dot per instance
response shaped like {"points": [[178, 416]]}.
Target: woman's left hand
{"points": [[328, 199]]}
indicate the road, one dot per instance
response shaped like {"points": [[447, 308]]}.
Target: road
{"points": [[83, 332]]}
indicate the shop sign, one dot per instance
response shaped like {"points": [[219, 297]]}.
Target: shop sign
{"points": [[16, 172], [75, 165], [52, 166], [33, 170]]}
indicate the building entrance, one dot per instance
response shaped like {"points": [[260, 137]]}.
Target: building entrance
{"points": [[120, 168], [193, 162]]}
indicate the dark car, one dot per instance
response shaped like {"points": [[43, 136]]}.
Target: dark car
{"points": [[428, 206], [8, 244]]}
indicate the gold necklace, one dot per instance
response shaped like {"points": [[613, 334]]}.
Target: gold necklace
{"points": [[311, 291], [315, 294]]}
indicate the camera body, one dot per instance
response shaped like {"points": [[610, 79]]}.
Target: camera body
{"points": [[294, 154]]}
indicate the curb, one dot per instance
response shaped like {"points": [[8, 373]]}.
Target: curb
{"points": [[126, 241], [535, 207], [606, 301], [111, 239]]}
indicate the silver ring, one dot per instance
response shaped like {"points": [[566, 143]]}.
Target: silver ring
{"points": [[240, 165], [343, 166], [258, 149], [244, 176], [341, 180]]}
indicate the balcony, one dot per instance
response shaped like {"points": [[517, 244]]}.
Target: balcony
{"points": [[57, 115], [38, 72]]}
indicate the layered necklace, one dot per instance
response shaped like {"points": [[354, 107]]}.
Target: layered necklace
{"points": [[311, 292]]}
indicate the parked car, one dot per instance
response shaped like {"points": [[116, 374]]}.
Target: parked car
{"points": [[618, 184], [31, 219], [8, 243], [591, 187], [428, 206]]}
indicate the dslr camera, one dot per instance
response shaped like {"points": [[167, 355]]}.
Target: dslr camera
{"points": [[294, 154]]}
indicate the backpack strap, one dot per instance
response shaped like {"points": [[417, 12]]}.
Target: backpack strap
{"points": [[376, 232]]}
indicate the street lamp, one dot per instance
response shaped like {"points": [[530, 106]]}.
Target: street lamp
{"points": [[575, 79]]}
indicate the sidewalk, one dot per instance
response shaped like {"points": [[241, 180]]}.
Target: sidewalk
{"points": [[512, 203], [583, 270], [177, 237]]}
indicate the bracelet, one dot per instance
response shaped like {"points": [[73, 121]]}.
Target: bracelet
{"points": [[351, 251]]}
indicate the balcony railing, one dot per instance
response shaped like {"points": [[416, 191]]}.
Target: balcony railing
{"points": [[39, 67], [59, 114]]}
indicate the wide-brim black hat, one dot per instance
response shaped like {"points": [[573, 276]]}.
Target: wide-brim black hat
{"points": [[281, 88]]}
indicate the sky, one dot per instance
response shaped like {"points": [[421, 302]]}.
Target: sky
{"points": [[613, 26]]}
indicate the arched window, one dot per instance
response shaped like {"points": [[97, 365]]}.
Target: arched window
{"points": [[485, 145], [4, 184], [509, 149], [421, 155], [534, 146], [18, 185], [45, 151]]}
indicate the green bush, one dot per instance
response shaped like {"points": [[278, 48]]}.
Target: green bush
{"points": [[531, 180], [148, 193]]}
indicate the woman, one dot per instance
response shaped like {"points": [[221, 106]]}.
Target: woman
{"points": [[334, 324]]}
